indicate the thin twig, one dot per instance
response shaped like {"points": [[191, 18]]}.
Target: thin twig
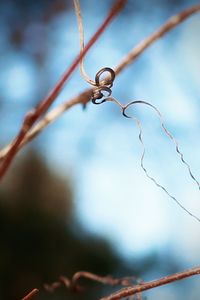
{"points": [[73, 285], [31, 294], [43, 106], [108, 280], [168, 26], [81, 38], [50, 117], [85, 96], [129, 291]]}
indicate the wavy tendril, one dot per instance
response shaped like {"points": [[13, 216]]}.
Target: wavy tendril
{"points": [[102, 93], [167, 133], [140, 136]]}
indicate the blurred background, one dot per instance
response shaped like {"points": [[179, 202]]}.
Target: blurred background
{"points": [[76, 198]]}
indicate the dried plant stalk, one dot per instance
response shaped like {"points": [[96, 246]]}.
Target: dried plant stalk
{"points": [[30, 295], [129, 291], [73, 285], [84, 97], [81, 34]]}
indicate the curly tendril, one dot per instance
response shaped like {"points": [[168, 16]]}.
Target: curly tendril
{"points": [[105, 86], [102, 91]]}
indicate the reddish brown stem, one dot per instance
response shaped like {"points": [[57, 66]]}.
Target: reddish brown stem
{"points": [[129, 291], [43, 106], [31, 294]]}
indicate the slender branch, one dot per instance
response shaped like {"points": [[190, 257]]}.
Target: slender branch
{"points": [[31, 294], [165, 28], [85, 96], [132, 290], [73, 285], [108, 280], [43, 106], [50, 117]]}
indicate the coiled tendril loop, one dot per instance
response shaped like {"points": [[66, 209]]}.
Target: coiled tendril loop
{"points": [[103, 86]]}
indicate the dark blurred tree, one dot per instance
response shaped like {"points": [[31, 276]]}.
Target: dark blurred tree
{"points": [[38, 240]]}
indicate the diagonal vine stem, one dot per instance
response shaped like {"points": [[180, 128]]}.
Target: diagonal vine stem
{"points": [[129, 291]]}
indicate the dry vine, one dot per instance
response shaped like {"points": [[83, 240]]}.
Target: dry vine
{"points": [[29, 130], [129, 291], [102, 93], [72, 284], [84, 97], [32, 116], [30, 295]]}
